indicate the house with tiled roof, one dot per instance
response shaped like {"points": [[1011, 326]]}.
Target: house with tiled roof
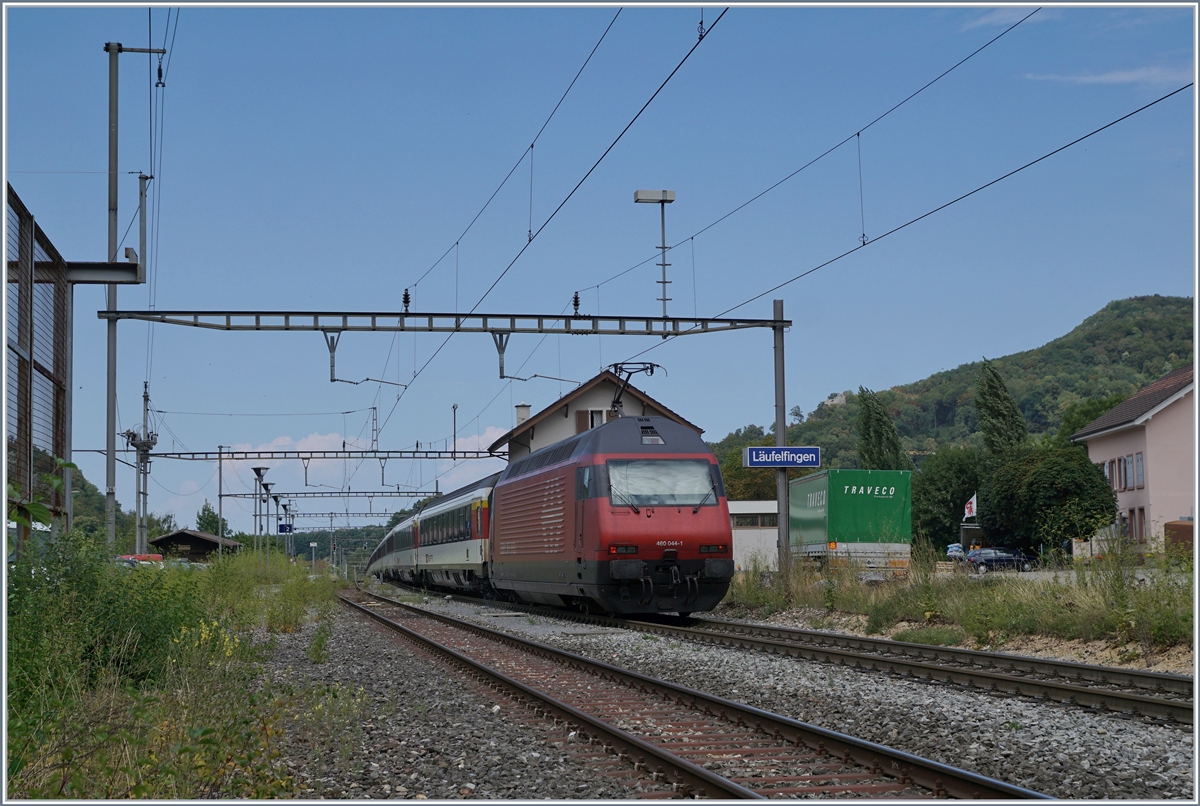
{"points": [[1146, 447], [587, 406]]}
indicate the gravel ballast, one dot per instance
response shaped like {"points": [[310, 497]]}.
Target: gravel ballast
{"points": [[1060, 750], [415, 730]]}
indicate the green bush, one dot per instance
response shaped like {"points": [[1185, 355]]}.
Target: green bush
{"points": [[143, 682], [1106, 601]]}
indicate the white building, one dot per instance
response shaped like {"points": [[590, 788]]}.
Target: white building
{"points": [[755, 534], [589, 405]]}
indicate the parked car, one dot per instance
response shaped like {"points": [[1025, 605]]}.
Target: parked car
{"points": [[991, 559]]}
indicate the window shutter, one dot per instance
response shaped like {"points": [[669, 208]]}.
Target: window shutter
{"points": [[581, 421]]}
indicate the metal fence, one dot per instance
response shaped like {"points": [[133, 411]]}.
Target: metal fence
{"points": [[38, 377]]}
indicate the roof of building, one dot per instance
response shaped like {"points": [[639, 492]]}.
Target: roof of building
{"points": [[604, 377], [224, 542], [1145, 402]]}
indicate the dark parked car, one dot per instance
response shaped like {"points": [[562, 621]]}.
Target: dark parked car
{"points": [[984, 560]]}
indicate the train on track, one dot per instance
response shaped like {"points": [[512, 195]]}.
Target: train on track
{"points": [[629, 518]]}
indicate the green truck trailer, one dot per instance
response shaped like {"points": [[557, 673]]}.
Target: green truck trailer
{"points": [[859, 516]]}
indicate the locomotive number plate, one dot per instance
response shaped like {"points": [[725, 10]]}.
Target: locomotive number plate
{"points": [[669, 543]]}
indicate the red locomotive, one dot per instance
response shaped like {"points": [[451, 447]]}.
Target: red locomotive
{"points": [[629, 517]]}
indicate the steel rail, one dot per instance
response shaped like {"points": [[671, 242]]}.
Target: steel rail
{"points": [[1153, 681], [1178, 711], [932, 775], [689, 774]]}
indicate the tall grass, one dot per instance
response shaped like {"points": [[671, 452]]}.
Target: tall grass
{"points": [[1106, 600], [144, 682]]}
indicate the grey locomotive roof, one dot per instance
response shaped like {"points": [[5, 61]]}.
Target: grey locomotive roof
{"points": [[622, 435]]}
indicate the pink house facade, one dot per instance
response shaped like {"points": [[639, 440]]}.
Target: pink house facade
{"points": [[1146, 447]]}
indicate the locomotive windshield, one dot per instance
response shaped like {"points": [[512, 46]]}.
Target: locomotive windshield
{"points": [[662, 482]]}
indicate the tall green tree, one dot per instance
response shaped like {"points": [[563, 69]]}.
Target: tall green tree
{"points": [[1045, 495], [208, 521], [1000, 419], [946, 482], [879, 446]]}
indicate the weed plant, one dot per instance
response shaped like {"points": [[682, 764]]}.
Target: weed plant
{"points": [[1108, 600], [144, 682]]}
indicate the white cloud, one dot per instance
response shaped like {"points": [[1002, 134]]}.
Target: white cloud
{"points": [[1138, 75], [1004, 17]]}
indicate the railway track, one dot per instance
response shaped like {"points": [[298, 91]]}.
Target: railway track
{"points": [[679, 742], [1128, 691]]}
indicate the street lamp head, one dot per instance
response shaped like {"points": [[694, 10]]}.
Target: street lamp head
{"points": [[267, 485], [653, 196], [276, 499], [258, 471]]}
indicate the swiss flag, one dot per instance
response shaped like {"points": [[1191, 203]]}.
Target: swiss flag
{"points": [[969, 512]]}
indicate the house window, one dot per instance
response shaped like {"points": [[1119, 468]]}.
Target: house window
{"points": [[589, 418], [1120, 480], [1141, 533], [744, 521], [771, 520], [1104, 469], [1141, 473]]}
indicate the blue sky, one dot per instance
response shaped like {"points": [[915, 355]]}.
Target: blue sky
{"points": [[324, 159]]}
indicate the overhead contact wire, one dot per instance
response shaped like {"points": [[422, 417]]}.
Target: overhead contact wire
{"points": [[830, 150], [523, 153], [503, 182], [576, 188], [927, 214], [559, 207]]}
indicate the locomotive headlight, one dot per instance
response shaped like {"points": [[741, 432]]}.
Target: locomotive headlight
{"points": [[622, 549]]}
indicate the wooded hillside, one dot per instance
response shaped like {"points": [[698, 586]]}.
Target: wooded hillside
{"points": [[1119, 349]]}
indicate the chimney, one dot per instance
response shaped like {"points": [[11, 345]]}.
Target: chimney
{"points": [[522, 412]]}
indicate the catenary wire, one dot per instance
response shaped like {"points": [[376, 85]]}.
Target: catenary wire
{"points": [[523, 153], [562, 204], [929, 213], [395, 339], [827, 152]]}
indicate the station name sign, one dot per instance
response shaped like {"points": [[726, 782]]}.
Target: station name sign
{"points": [[781, 457]]}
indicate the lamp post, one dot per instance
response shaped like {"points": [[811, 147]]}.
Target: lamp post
{"points": [[276, 499], [258, 474], [266, 501], [662, 198], [287, 541], [454, 450]]}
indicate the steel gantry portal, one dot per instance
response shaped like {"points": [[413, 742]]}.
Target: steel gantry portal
{"points": [[332, 324]]}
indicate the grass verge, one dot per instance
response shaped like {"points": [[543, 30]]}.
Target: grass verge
{"points": [[145, 682], [1109, 599]]}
